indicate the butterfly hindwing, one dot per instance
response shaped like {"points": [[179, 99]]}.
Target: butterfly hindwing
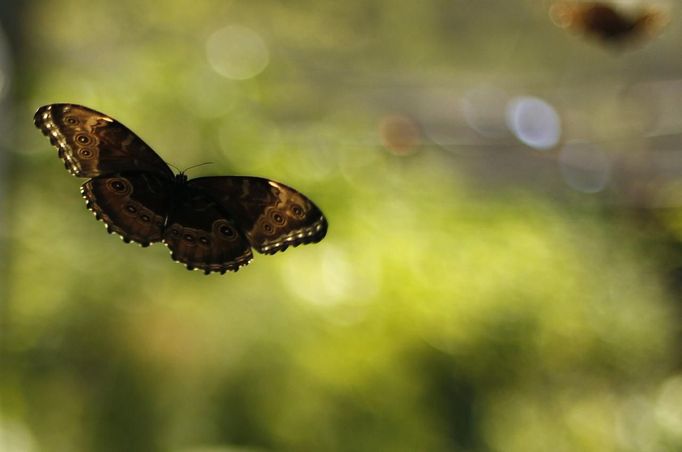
{"points": [[92, 144], [201, 236], [272, 215], [134, 205]]}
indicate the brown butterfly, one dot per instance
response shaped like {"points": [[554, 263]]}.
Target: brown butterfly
{"points": [[603, 21], [209, 223]]}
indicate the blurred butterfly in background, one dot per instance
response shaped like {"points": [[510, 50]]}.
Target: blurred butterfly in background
{"points": [[209, 223], [606, 22]]}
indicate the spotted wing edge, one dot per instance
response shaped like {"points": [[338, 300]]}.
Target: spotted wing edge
{"points": [[43, 121], [303, 236]]}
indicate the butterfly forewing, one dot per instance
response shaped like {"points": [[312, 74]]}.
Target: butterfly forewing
{"points": [[92, 144], [201, 236], [272, 215], [134, 205]]}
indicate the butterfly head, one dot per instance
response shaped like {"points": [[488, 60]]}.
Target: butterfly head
{"points": [[181, 178]]}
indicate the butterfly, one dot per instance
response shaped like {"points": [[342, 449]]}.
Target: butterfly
{"points": [[208, 223], [603, 21]]}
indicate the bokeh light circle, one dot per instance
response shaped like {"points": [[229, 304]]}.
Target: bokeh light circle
{"points": [[585, 167], [534, 122], [483, 108], [400, 134], [668, 412], [237, 52]]}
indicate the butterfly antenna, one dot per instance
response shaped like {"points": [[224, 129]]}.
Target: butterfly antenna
{"points": [[195, 166]]}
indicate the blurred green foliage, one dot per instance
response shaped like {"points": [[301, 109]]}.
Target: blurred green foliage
{"points": [[451, 307]]}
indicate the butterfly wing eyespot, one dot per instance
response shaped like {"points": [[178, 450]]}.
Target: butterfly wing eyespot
{"points": [[118, 185], [297, 211], [277, 218], [267, 228], [223, 230], [87, 153], [84, 139]]}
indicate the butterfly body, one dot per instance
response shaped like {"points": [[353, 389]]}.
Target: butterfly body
{"points": [[209, 223]]}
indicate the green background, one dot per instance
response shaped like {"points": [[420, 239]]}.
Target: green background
{"points": [[466, 297]]}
